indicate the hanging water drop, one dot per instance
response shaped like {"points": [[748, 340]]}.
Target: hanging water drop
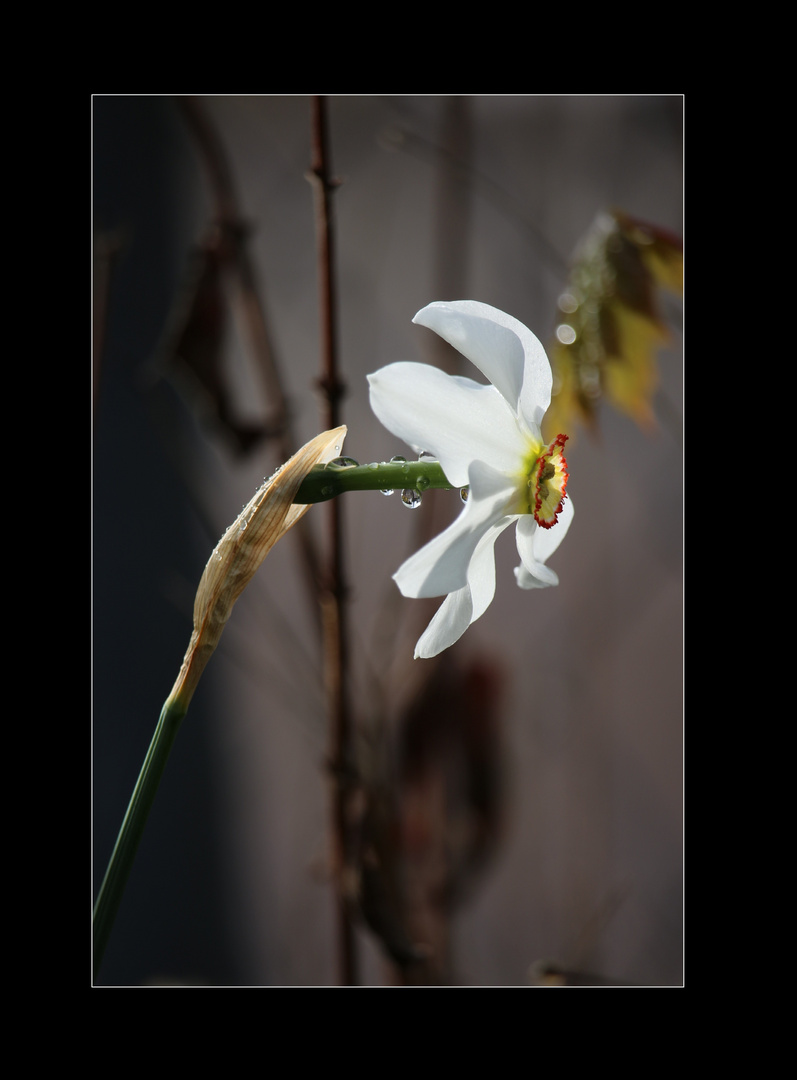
{"points": [[426, 456], [343, 463], [412, 498], [387, 491]]}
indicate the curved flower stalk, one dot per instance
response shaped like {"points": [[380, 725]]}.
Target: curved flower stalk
{"points": [[262, 522], [487, 438]]}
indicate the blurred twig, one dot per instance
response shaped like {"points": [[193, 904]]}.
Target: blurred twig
{"points": [[107, 247], [234, 232], [402, 139], [229, 219], [333, 592]]}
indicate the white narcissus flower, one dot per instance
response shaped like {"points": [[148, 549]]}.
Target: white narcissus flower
{"points": [[486, 437]]}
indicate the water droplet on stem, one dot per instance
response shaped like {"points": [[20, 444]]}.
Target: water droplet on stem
{"points": [[343, 463], [411, 498]]}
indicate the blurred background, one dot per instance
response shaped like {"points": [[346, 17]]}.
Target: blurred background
{"points": [[520, 802]]}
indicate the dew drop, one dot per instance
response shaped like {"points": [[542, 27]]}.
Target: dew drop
{"points": [[423, 483], [426, 456], [327, 491], [387, 491], [373, 464], [343, 463], [463, 493], [398, 458], [412, 498]]}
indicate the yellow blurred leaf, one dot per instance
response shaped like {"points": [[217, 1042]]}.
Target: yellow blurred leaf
{"points": [[611, 328]]}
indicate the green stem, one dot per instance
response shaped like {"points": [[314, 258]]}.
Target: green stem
{"points": [[132, 829], [327, 481]]}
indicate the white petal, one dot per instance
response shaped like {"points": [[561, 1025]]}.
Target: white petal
{"points": [[466, 605], [501, 347], [442, 565], [526, 580], [536, 545], [450, 622], [455, 419], [481, 572], [535, 397]]}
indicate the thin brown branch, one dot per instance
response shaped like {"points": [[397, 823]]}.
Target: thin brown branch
{"points": [[324, 186], [333, 597]]}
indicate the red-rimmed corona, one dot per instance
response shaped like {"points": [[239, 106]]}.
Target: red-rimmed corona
{"points": [[547, 487]]}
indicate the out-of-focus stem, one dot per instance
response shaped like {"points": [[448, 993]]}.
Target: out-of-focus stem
{"points": [[333, 592], [124, 852]]}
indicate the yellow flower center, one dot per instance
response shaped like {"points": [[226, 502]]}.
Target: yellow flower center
{"points": [[546, 484]]}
